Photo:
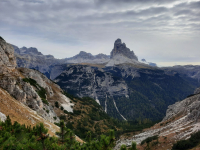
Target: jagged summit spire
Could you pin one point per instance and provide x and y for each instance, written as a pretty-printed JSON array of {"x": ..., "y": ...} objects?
[{"x": 120, "y": 48}]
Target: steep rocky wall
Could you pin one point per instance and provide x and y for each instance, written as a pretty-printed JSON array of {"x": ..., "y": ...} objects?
[
  {"x": 7, "y": 55},
  {"x": 182, "y": 119},
  {"x": 120, "y": 48},
  {"x": 13, "y": 81}
]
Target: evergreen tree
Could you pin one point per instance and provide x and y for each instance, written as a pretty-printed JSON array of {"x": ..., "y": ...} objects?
[{"x": 41, "y": 132}]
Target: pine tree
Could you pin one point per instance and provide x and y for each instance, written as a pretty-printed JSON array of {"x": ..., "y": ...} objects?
[{"x": 41, "y": 132}]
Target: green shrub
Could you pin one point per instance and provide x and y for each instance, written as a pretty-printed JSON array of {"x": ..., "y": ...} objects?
[
  {"x": 66, "y": 112},
  {"x": 149, "y": 139},
  {"x": 56, "y": 104},
  {"x": 40, "y": 90},
  {"x": 193, "y": 141},
  {"x": 45, "y": 101},
  {"x": 63, "y": 117}
]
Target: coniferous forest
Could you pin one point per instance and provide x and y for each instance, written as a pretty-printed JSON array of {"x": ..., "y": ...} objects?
[{"x": 14, "y": 136}]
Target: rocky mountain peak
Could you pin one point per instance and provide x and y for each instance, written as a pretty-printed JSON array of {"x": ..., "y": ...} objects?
[
  {"x": 120, "y": 48},
  {"x": 31, "y": 50},
  {"x": 83, "y": 55},
  {"x": 102, "y": 56}
]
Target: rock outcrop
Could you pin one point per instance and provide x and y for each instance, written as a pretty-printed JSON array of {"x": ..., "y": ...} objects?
[
  {"x": 7, "y": 58},
  {"x": 181, "y": 120},
  {"x": 120, "y": 48},
  {"x": 197, "y": 91},
  {"x": 28, "y": 86},
  {"x": 121, "y": 55}
]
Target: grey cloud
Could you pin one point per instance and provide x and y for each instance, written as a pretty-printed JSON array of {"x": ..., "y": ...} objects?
[
  {"x": 135, "y": 1},
  {"x": 84, "y": 20}
]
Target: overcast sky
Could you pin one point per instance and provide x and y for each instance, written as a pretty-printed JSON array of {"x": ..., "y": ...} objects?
[{"x": 166, "y": 32}]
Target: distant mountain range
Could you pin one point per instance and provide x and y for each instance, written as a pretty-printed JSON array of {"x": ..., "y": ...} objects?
[{"x": 32, "y": 58}]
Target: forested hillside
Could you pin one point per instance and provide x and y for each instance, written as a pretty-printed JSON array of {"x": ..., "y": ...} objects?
[{"x": 126, "y": 92}]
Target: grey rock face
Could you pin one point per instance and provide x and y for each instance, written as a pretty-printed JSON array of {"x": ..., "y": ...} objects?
[
  {"x": 182, "y": 119},
  {"x": 90, "y": 81},
  {"x": 99, "y": 83},
  {"x": 120, "y": 48},
  {"x": 7, "y": 55},
  {"x": 12, "y": 82},
  {"x": 197, "y": 91},
  {"x": 190, "y": 108}
]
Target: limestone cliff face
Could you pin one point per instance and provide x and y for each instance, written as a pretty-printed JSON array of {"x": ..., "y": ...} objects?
[
  {"x": 121, "y": 55},
  {"x": 120, "y": 48},
  {"x": 182, "y": 119},
  {"x": 197, "y": 91},
  {"x": 12, "y": 80},
  {"x": 7, "y": 55}
]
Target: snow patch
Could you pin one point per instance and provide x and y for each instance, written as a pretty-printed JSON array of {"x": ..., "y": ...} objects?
[
  {"x": 118, "y": 110},
  {"x": 97, "y": 101},
  {"x": 106, "y": 104},
  {"x": 67, "y": 106}
]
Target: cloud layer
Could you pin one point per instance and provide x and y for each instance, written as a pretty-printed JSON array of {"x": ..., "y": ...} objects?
[{"x": 159, "y": 30}]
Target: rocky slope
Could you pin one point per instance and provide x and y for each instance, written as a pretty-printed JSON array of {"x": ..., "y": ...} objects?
[
  {"x": 22, "y": 113},
  {"x": 29, "y": 88},
  {"x": 181, "y": 120},
  {"x": 126, "y": 92}
]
